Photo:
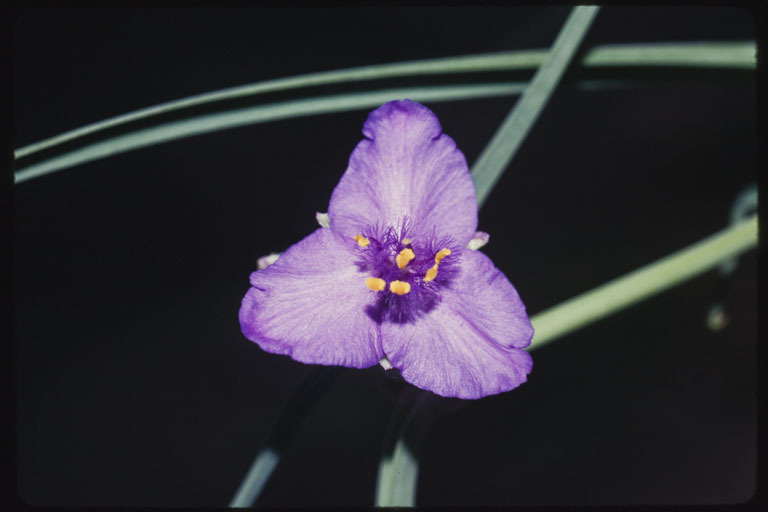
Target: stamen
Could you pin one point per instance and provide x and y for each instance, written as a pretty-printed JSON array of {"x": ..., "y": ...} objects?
[
  {"x": 407, "y": 241},
  {"x": 405, "y": 256},
  {"x": 375, "y": 284},
  {"x": 431, "y": 274},
  {"x": 399, "y": 287},
  {"x": 442, "y": 254},
  {"x": 361, "y": 240}
]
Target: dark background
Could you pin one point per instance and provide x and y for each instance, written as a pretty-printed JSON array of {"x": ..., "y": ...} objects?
[{"x": 135, "y": 386}]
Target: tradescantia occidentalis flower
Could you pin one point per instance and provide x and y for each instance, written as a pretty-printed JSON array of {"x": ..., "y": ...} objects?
[{"x": 393, "y": 278}]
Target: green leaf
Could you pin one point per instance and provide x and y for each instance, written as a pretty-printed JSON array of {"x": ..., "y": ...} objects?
[
  {"x": 704, "y": 54},
  {"x": 644, "y": 282},
  {"x": 259, "y": 114},
  {"x": 514, "y": 129}
]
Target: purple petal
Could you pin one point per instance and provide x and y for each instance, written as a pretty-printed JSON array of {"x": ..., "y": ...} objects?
[
  {"x": 405, "y": 168},
  {"x": 310, "y": 304},
  {"x": 470, "y": 345}
]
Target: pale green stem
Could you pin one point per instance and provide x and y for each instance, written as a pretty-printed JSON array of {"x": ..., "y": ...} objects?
[
  {"x": 527, "y": 59},
  {"x": 704, "y": 54},
  {"x": 292, "y": 416},
  {"x": 739, "y": 55},
  {"x": 745, "y": 203},
  {"x": 514, "y": 129},
  {"x": 399, "y": 469},
  {"x": 258, "y": 114},
  {"x": 261, "y": 469},
  {"x": 644, "y": 282},
  {"x": 397, "y": 478}
]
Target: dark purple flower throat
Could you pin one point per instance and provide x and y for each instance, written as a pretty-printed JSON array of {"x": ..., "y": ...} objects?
[{"x": 406, "y": 272}]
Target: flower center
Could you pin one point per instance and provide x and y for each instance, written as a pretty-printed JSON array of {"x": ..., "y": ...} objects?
[{"x": 405, "y": 274}]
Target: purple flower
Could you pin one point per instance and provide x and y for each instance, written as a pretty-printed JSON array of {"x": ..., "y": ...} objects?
[{"x": 392, "y": 279}]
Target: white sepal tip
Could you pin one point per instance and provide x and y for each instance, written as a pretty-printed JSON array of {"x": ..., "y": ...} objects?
[
  {"x": 267, "y": 260},
  {"x": 323, "y": 219},
  {"x": 480, "y": 239}
]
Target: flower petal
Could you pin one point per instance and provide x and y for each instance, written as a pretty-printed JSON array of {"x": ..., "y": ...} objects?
[
  {"x": 310, "y": 304},
  {"x": 471, "y": 344},
  {"x": 405, "y": 168}
]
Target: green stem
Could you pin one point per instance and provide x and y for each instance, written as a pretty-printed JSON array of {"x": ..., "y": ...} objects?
[
  {"x": 262, "y": 468},
  {"x": 739, "y": 54},
  {"x": 527, "y": 59},
  {"x": 704, "y": 54},
  {"x": 399, "y": 466},
  {"x": 510, "y": 135},
  {"x": 731, "y": 54},
  {"x": 644, "y": 282},
  {"x": 289, "y": 420},
  {"x": 258, "y": 114}
]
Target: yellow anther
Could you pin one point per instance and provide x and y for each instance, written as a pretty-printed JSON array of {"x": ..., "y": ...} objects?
[
  {"x": 431, "y": 274},
  {"x": 399, "y": 287},
  {"x": 407, "y": 241},
  {"x": 362, "y": 241},
  {"x": 405, "y": 256},
  {"x": 442, "y": 254},
  {"x": 375, "y": 284}
]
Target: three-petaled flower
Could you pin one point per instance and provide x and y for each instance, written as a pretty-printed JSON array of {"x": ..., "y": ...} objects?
[{"x": 392, "y": 278}]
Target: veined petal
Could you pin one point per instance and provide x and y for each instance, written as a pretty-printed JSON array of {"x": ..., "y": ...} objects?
[
  {"x": 405, "y": 168},
  {"x": 310, "y": 304},
  {"x": 471, "y": 344}
]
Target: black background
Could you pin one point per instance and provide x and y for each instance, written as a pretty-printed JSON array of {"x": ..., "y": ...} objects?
[{"x": 135, "y": 386}]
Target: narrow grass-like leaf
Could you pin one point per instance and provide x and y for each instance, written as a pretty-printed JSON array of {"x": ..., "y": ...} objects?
[
  {"x": 744, "y": 205},
  {"x": 258, "y": 114},
  {"x": 513, "y": 130},
  {"x": 399, "y": 467},
  {"x": 702, "y": 54},
  {"x": 262, "y": 468},
  {"x": 644, "y": 282},
  {"x": 290, "y": 419},
  {"x": 526, "y": 59},
  {"x": 731, "y": 54},
  {"x": 398, "y": 474}
]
